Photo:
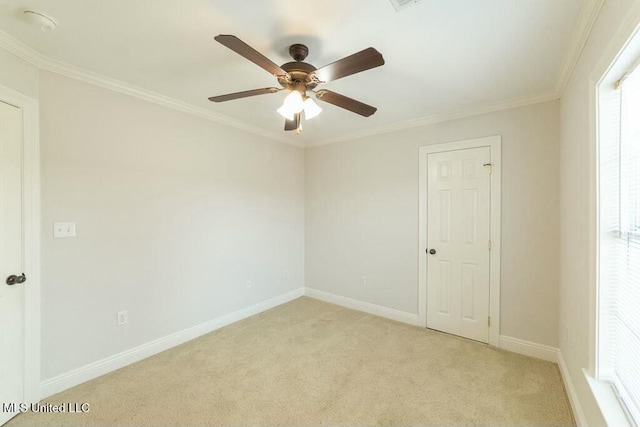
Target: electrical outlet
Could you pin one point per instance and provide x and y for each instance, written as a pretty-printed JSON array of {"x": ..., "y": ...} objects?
[
  {"x": 123, "y": 317},
  {"x": 64, "y": 229},
  {"x": 363, "y": 280},
  {"x": 248, "y": 283}
]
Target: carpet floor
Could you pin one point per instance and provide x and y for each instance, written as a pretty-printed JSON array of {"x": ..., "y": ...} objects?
[{"x": 312, "y": 363}]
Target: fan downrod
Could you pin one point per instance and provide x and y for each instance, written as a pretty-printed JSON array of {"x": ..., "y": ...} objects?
[{"x": 298, "y": 52}]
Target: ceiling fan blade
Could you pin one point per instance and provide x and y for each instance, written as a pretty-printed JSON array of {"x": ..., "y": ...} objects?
[
  {"x": 361, "y": 61},
  {"x": 292, "y": 124},
  {"x": 345, "y": 102},
  {"x": 243, "y": 49},
  {"x": 246, "y": 93}
]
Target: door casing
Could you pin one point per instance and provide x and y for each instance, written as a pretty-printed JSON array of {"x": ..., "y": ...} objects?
[
  {"x": 31, "y": 221},
  {"x": 494, "y": 143}
]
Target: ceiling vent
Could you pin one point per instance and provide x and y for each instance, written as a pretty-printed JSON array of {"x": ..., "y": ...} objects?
[{"x": 402, "y": 4}]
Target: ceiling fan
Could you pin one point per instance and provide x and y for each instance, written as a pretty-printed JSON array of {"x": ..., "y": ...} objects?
[{"x": 299, "y": 77}]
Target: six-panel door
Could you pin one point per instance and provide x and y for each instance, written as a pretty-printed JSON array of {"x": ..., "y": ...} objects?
[{"x": 458, "y": 215}]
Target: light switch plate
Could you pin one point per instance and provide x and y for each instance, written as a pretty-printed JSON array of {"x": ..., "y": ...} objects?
[
  {"x": 123, "y": 317},
  {"x": 64, "y": 229}
]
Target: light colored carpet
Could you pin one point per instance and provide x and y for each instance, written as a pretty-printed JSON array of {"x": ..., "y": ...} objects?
[{"x": 313, "y": 363}]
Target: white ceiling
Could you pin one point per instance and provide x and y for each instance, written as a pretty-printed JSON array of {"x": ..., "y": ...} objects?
[{"x": 442, "y": 56}]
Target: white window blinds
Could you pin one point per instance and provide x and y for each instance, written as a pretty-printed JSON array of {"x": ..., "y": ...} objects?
[{"x": 620, "y": 244}]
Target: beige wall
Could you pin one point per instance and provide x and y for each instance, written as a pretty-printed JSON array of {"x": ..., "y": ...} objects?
[
  {"x": 362, "y": 216},
  {"x": 576, "y": 178},
  {"x": 18, "y": 75},
  {"x": 174, "y": 214}
]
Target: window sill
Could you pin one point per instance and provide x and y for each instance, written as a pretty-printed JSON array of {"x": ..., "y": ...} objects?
[{"x": 608, "y": 402}]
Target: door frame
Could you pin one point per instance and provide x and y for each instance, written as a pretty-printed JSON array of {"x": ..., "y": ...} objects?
[
  {"x": 31, "y": 223},
  {"x": 495, "y": 145}
]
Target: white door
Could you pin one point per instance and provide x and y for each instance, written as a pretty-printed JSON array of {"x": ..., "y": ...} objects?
[
  {"x": 458, "y": 215},
  {"x": 11, "y": 262}
]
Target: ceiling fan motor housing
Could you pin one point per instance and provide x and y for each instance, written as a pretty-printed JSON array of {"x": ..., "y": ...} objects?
[{"x": 298, "y": 76}]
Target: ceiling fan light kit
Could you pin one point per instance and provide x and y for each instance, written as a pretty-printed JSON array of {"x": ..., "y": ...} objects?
[
  {"x": 299, "y": 77},
  {"x": 294, "y": 104},
  {"x": 311, "y": 109},
  {"x": 286, "y": 113}
]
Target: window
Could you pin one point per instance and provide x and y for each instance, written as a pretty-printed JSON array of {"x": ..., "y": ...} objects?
[
  {"x": 630, "y": 155},
  {"x": 619, "y": 243}
]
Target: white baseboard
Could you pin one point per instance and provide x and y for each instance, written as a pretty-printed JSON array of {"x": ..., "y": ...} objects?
[
  {"x": 578, "y": 413},
  {"x": 528, "y": 348},
  {"x": 378, "y": 310},
  {"x": 93, "y": 370}
]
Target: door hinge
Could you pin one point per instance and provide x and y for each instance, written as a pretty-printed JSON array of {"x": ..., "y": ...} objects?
[
  {"x": 490, "y": 169},
  {"x": 489, "y": 245},
  {"x": 489, "y": 321}
]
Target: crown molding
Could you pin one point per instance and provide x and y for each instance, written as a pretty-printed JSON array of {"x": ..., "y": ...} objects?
[
  {"x": 16, "y": 47},
  {"x": 580, "y": 34},
  {"x": 586, "y": 19},
  {"x": 445, "y": 117},
  {"x": 13, "y": 45}
]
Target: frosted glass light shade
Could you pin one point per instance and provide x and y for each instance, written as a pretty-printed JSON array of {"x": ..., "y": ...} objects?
[
  {"x": 311, "y": 109},
  {"x": 284, "y": 112},
  {"x": 294, "y": 102},
  {"x": 292, "y": 105}
]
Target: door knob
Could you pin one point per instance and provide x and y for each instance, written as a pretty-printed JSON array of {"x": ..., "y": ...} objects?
[
  {"x": 13, "y": 279},
  {"x": 432, "y": 251}
]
